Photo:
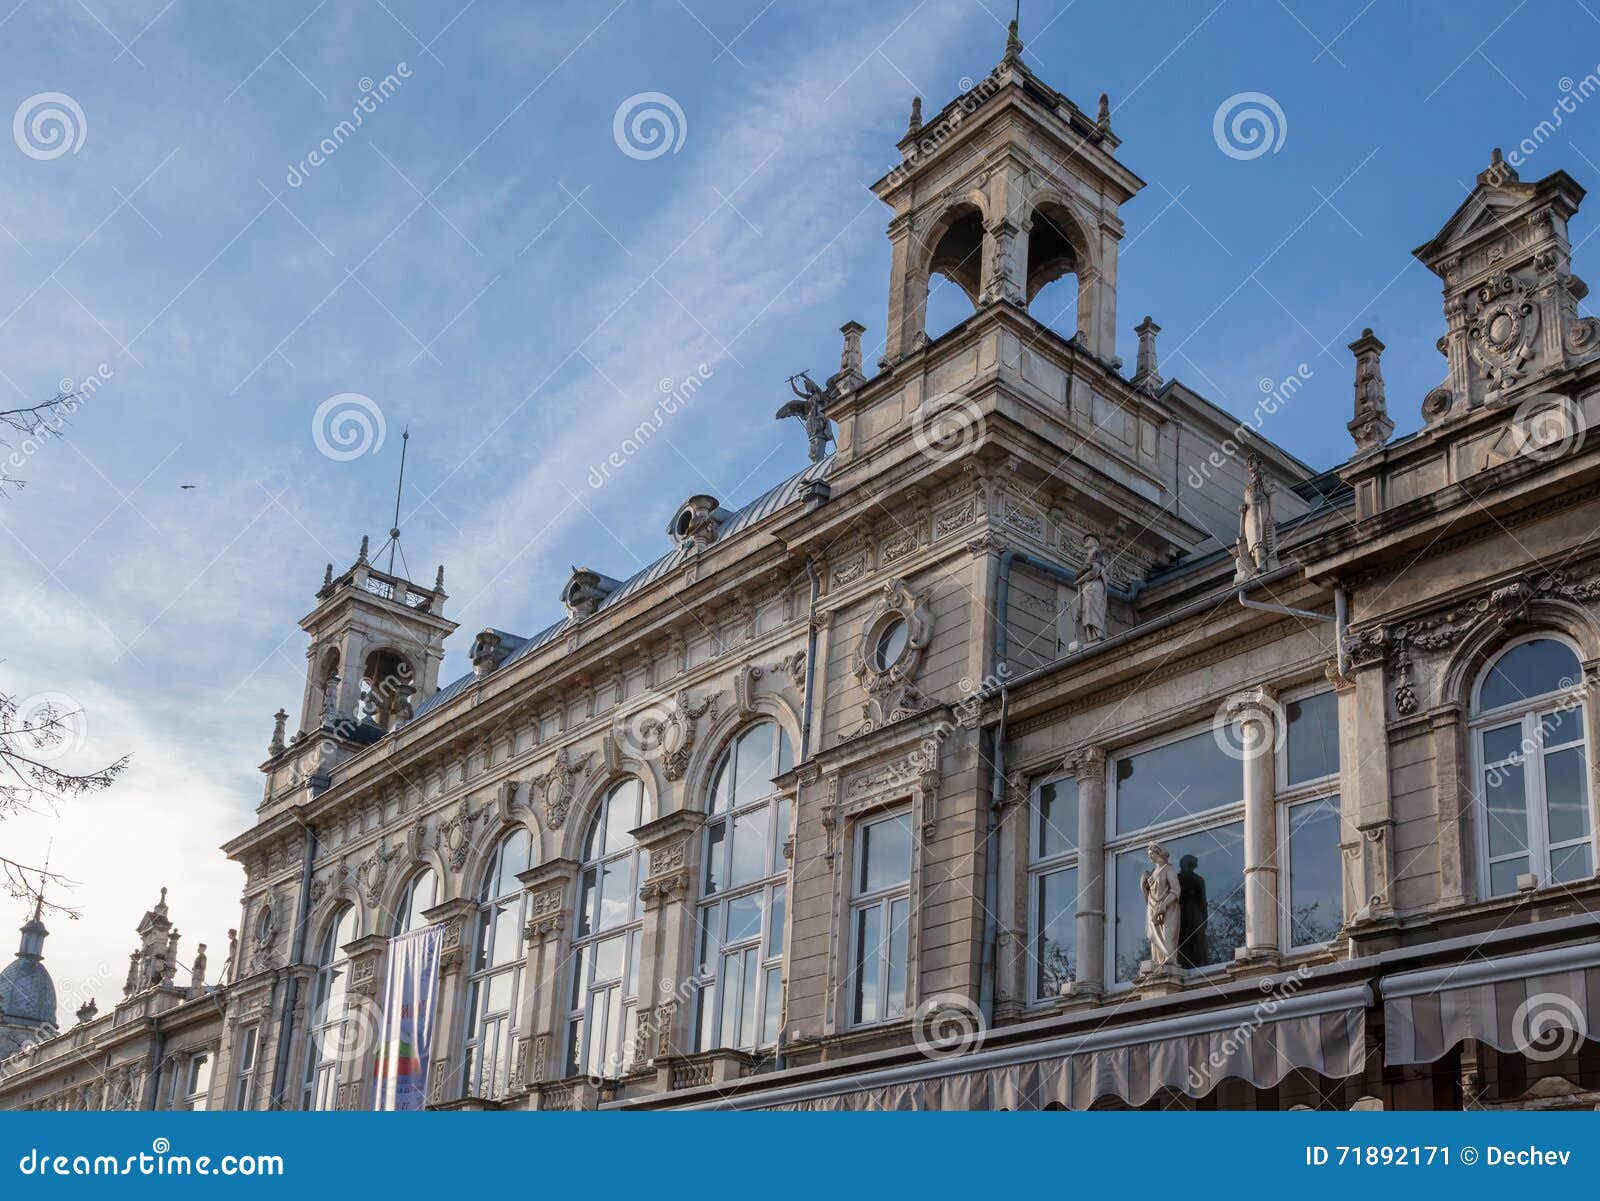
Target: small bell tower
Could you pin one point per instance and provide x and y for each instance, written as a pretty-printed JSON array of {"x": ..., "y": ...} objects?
[
  {"x": 376, "y": 643},
  {"x": 1007, "y": 188}
]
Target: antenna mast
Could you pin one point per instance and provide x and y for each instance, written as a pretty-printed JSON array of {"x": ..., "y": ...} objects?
[{"x": 399, "y": 488}]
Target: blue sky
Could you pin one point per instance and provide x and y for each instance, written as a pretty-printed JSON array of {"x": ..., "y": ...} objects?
[{"x": 484, "y": 262}]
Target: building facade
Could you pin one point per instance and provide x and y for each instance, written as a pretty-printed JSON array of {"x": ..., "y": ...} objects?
[{"x": 1056, "y": 741}]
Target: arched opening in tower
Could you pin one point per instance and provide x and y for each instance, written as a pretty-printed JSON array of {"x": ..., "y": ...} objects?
[
  {"x": 957, "y": 260},
  {"x": 1055, "y": 264}
]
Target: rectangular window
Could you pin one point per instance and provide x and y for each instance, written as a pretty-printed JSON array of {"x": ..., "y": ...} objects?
[
  {"x": 1179, "y": 780},
  {"x": 1052, "y": 886},
  {"x": 880, "y": 916},
  {"x": 1316, "y": 892},
  {"x": 196, "y": 1082},
  {"x": 244, "y": 1076},
  {"x": 1310, "y": 885}
]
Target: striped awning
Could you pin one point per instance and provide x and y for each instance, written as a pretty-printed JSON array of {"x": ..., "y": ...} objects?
[
  {"x": 1323, "y": 1032},
  {"x": 1536, "y": 1003}
]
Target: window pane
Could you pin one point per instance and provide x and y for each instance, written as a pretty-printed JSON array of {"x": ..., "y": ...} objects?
[
  {"x": 891, "y": 645},
  {"x": 899, "y": 933},
  {"x": 1503, "y": 875},
  {"x": 586, "y": 904},
  {"x": 1503, "y": 744},
  {"x": 1570, "y": 864},
  {"x": 780, "y": 811},
  {"x": 1507, "y": 811},
  {"x": 722, "y": 789},
  {"x": 608, "y": 958},
  {"x": 1056, "y": 824},
  {"x": 885, "y": 854},
  {"x": 1561, "y": 726},
  {"x": 1565, "y": 795},
  {"x": 772, "y": 1006},
  {"x": 1532, "y": 669},
  {"x": 744, "y": 917},
  {"x": 1176, "y": 780},
  {"x": 514, "y": 855},
  {"x": 755, "y": 766},
  {"x": 775, "y": 923},
  {"x": 506, "y": 938},
  {"x": 785, "y": 752},
  {"x": 869, "y": 937},
  {"x": 1056, "y": 940},
  {"x": 1210, "y": 905},
  {"x": 616, "y": 892},
  {"x": 731, "y": 975},
  {"x": 747, "y": 1008},
  {"x": 501, "y": 993},
  {"x": 714, "y": 856},
  {"x": 622, "y": 816},
  {"x": 710, "y": 943},
  {"x": 1316, "y": 893},
  {"x": 752, "y": 837},
  {"x": 1313, "y": 737}
]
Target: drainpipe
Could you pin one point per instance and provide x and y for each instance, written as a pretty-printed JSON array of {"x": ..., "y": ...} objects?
[{"x": 292, "y": 994}]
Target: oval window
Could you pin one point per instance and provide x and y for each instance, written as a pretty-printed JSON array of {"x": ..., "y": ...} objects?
[{"x": 891, "y": 645}]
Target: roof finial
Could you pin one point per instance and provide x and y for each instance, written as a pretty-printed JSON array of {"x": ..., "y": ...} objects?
[
  {"x": 1013, "y": 41},
  {"x": 438, "y": 580},
  {"x": 914, "y": 125},
  {"x": 362, "y": 557},
  {"x": 1103, "y": 118}
]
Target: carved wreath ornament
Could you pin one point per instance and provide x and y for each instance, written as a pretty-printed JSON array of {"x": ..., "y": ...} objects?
[
  {"x": 891, "y": 689},
  {"x": 1502, "y": 329}
]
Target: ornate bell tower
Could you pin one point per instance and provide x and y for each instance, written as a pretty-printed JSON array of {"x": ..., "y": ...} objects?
[
  {"x": 376, "y": 643},
  {"x": 1007, "y": 188}
]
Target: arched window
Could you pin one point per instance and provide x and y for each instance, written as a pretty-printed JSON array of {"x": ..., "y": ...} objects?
[
  {"x": 421, "y": 894},
  {"x": 739, "y": 960},
  {"x": 327, "y": 1042},
  {"x": 497, "y": 966},
  {"x": 955, "y": 271},
  {"x": 1532, "y": 758},
  {"x": 605, "y": 951}
]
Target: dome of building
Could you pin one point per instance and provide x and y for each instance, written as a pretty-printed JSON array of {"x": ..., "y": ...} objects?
[{"x": 27, "y": 993}]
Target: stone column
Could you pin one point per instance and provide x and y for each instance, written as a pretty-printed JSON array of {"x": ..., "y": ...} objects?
[
  {"x": 1364, "y": 783},
  {"x": 1089, "y": 978},
  {"x": 1001, "y": 271},
  {"x": 1254, "y": 714},
  {"x": 547, "y": 986},
  {"x": 444, "y": 1074},
  {"x": 664, "y": 1010},
  {"x": 368, "y": 967},
  {"x": 908, "y": 291}
]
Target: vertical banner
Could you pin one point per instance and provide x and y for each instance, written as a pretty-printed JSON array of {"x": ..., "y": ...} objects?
[{"x": 410, "y": 1002}]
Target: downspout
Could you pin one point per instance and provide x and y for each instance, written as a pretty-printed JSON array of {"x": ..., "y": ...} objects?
[
  {"x": 291, "y": 995},
  {"x": 152, "y": 1088},
  {"x": 997, "y": 759}
]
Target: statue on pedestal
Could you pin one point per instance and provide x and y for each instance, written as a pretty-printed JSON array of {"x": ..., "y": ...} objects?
[
  {"x": 1092, "y": 592},
  {"x": 1161, "y": 918}
]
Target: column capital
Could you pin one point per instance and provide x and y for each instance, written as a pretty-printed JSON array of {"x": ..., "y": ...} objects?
[
  {"x": 1086, "y": 762},
  {"x": 456, "y": 917}
]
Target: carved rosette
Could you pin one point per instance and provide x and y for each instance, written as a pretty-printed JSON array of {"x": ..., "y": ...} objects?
[
  {"x": 891, "y": 687},
  {"x": 670, "y": 736},
  {"x": 455, "y": 835}
]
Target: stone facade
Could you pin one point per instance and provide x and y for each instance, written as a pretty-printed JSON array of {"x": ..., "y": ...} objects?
[{"x": 1020, "y": 576}]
